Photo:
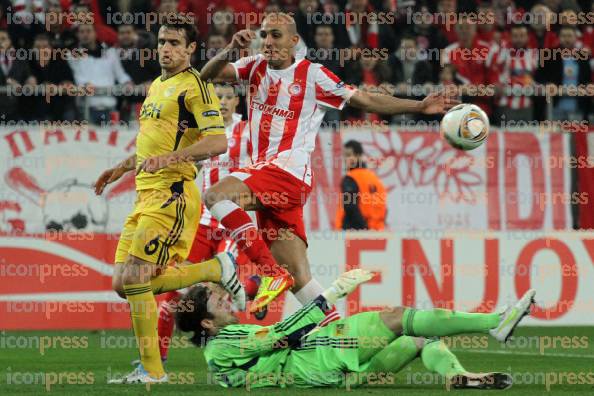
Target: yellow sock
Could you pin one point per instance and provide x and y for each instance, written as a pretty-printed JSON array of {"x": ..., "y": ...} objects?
[
  {"x": 143, "y": 311},
  {"x": 175, "y": 278}
]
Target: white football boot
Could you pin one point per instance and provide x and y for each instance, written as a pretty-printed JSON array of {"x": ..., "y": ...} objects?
[
  {"x": 139, "y": 376},
  {"x": 230, "y": 281},
  {"x": 512, "y": 316}
]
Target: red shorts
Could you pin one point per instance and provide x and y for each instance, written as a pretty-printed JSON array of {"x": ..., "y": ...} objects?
[
  {"x": 282, "y": 195},
  {"x": 209, "y": 241}
]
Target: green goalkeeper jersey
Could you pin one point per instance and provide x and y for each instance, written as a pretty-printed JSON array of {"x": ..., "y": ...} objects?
[{"x": 241, "y": 354}]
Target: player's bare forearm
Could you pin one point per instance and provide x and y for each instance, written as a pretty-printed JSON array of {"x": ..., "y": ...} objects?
[
  {"x": 113, "y": 174},
  {"x": 435, "y": 103},
  {"x": 207, "y": 147},
  {"x": 128, "y": 164},
  {"x": 218, "y": 68},
  {"x": 384, "y": 104},
  {"x": 215, "y": 65}
]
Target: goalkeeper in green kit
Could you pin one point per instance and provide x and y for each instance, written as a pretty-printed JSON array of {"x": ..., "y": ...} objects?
[{"x": 364, "y": 349}]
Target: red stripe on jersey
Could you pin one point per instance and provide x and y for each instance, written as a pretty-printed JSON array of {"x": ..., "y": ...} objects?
[
  {"x": 266, "y": 120},
  {"x": 373, "y": 40},
  {"x": 235, "y": 151},
  {"x": 295, "y": 106},
  {"x": 244, "y": 72},
  {"x": 255, "y": 82},
  {"x": 214, "y": 171},
  {"x": 328, "y": 97},
  {"x": 249, "y": 148},
  {"x": 522, "y": 100},
  {"x": 330, "y": 75},
  {"x": 253, "y": 90}
]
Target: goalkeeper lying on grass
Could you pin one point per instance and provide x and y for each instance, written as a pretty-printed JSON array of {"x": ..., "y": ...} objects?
[{"x": 366, "y": 348}]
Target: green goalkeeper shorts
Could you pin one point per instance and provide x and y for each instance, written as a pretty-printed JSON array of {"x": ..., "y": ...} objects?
[{"x": 337, "y": 355}]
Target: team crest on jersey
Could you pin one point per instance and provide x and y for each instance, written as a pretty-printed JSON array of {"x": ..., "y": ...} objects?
[
  {"x": 169, "y": 91},
  {"x": 295, "y": 89},
  {"x": 231, "y": 142}
]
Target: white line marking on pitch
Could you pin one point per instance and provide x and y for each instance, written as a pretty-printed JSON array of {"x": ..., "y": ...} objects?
[{"x": 567, "y": 355}]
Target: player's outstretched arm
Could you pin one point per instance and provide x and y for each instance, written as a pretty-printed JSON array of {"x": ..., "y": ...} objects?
[
  {"x": 218, "y": 68},
  {"x": 208, "y": 146},
  {"x": 111, "y": 175},
  {"x": 435, "y": 103}
]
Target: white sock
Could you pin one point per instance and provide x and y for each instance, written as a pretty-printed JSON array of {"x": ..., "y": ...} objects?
[
  {"x": 309, "y": 292},
  {"x": 223, "y": 208}
]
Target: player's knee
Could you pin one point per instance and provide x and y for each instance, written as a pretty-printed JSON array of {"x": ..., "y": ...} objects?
[
  {"x": 118, "y": 287},
  {"x": 210, "y": 197},
  {"x": 419, "y": 342},
  {"x": 130, "y": 278},
  {"x": 137, "y": 271},
  {"x": 392, "y": 317}
]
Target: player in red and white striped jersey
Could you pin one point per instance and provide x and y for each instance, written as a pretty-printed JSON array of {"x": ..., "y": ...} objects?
[
  {"x": 210, "y": 238},
  {"x": 238, "y": 155},
  {"x": 287, "y": 99},
  {"x": 515, "y": 65},
  {"x": 469, "y": 57}
]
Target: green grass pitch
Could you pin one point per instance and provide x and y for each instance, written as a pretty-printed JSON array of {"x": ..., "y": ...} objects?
[{"x": 556, "y": 360}]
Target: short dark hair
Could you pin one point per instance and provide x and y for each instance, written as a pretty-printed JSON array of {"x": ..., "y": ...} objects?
[
  {"x": 354, "y": 145},
  {"x": 570, "y": 27},
  {"x": 323, "y": 25},
  {"x": 408, "y": 36},
  {"x": 518, "y": 26},
  {"x": 42, "y": 36},
  {"x": 184, "y": 23},
  {"x": 194, "y": 310},
  {"x": 227, "y": 85},
  {"x": 123, "y": 25}
]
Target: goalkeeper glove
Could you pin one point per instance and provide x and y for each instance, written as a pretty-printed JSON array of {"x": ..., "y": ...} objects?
[{"x": 345, "y": 284}]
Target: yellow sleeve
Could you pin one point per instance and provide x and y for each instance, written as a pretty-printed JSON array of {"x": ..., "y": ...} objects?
[{"x": 204, "y": 104}]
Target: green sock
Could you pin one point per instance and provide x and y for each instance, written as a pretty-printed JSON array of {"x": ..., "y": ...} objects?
[
  {"x": 443, "y": 322},
  {"x": 438, "y": 358}
]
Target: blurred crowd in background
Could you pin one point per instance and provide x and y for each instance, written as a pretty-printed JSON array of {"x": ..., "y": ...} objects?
[{"x": 396, "y": 46}]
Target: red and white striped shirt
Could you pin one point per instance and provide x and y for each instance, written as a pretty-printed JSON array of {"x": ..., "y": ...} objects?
[
  {"x": 516, "y": 68},
  {"x": 216, "y": 168},
  {"x": 286, "y": 108}
]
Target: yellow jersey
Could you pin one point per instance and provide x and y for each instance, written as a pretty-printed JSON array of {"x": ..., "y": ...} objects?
[{"x": 176, "y": 113}]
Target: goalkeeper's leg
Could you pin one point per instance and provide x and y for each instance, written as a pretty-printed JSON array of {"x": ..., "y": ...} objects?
[
  {"x": 394, "y": 357},
  {"x": 437, "y": 322},
  {"x": 382, "y": 353},
  {"x": 436, "y": 357},
  {"x": 445, "y": 322},
  {"x": 382, "y": 350}
]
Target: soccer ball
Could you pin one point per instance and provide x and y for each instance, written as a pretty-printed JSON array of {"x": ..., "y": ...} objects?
[{"x": 465, "y": 126}]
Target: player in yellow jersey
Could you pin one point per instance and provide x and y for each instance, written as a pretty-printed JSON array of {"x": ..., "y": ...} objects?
[{"x": 180, "y": 123}]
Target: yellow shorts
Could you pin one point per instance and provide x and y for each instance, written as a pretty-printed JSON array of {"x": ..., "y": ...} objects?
[{"x": 162, "y": 225}]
